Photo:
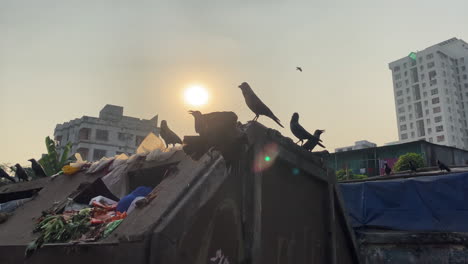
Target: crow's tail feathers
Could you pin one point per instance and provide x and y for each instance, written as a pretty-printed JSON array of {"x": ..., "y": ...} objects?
[{"x": 276, "y": 120}]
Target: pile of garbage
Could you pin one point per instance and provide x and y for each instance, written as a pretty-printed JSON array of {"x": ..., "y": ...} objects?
[{"x": 77, "y": 223}]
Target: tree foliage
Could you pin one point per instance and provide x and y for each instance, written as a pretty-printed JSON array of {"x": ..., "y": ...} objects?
[
  {"x": 348, "y": 174},
  {"x": 403, "y": 162},
  {"x": 53, "y": 162}
]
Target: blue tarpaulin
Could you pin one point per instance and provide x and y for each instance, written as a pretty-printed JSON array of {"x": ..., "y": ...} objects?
[{"x": 428, "y": 203}]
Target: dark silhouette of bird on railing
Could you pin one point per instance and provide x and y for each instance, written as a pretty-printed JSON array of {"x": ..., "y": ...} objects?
[
  {"x": 298, "y": 130},
  {"x": 37, "y": 168},
  {"x": 387, "y": 169},
  {"x": 168, "y": 135},
  {"x": 21, "y": 173},
  {"x": 5, "y": 175},
  {"x": 311, "y": 143},
  {"x": 442, "y": 166},
  {"x": 214, "y": 122},
  {"x": 256, "y": 105}
]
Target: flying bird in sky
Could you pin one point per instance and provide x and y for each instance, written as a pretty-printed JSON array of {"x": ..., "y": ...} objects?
[
  {"x": 21, "y": 173},
  {"x": 442, "y": 166},
  {"x": 298, "y": 130},
  {"x": 168, "y": 135},
  {"x": 256, "y": 105},
  {"x": 299, "y": 69},
  {"x": 37, "y": 168}
]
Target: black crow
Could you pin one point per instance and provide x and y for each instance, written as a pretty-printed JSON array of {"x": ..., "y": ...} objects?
[
  {"x": 216, "y": 121},
  {"x": 311, "y": 143},
  {"x": 5, "y": 175},
  {"x": 412, "y": 166},
  {"x": 388, "y": 170},
  {"x": 256, "y": 105},
  {"x": 37, "y": 168},
  {"x": 168, "y": 135},
  {"x": 21, "y": 173},
  {"x": 299, "y": 69},
  {"x": 298, "y": 130},
  {"x": 442, "y": 166}
]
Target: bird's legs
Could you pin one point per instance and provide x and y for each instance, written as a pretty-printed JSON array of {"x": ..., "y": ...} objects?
[
  {"x": 255, "y": 118},
  {"x": 300, "y": 140}
]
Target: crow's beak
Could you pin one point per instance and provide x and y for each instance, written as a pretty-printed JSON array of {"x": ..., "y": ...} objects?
[
  {"x": 240, "y": 86},
  {"x": 190, "y": 112}
]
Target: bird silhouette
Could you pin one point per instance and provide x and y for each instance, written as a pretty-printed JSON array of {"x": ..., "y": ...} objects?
[
  {"x": 442, "y": 166},
  {"x": 412, "y": 166},
  {"x": 311, "y": 143},
  {"x": 388, "y": 170},
  {"x": 298, "y": 130},
  {"x": 168, "y": 135},
  {"x": 215, "y": 121},
  {"x": 37, "y": 168},
  {"x": 299, "y": 69},
  {"x": 256, "y": 105},
  {"x": 21, "y": 173},
  {"x": 5, "y": 175}
]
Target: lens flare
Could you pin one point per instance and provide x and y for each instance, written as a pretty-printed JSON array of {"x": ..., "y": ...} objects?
[{"x": 266, "y": 158}]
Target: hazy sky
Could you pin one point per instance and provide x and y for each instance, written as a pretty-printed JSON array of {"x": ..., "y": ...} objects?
[{"x": 60, "y": 60}]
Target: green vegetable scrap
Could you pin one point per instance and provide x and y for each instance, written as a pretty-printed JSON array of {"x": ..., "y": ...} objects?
[{"x": 111, "y": 227}]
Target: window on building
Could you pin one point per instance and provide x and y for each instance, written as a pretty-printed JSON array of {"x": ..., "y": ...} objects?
[
  {"x": 404, "y": 136},
  {"x": 432, "y": 82},
  {"x": 412, "y": 134},
  {"x": 428, "y": 121},
  {"x": 98, "y": 154},
  {"x": 429, "y": 56},
  {"x": 138, "y": 140},
  {"x": 398, "y": 84},
  {"x": 411, "y": 125},
  {"x": 405, "y": 73},
  {"x": 398, "y": 76},
  {"x": 122, "y": 136},
  {"x": 420, "y": 128},
  {"x": 396, "y": 68},
  {"x": 402, "y": 118},
  {"x": 440, "y": 138},
  {"x": 465, "y": 77},
  {"x": 406, "y": 82},
  {"x": 84, "y": 152},
  {"x": 102, "y": 135},
  {"x": 438, "y": 119},
  {"x": 410, "y": 107},
  {"x": 436, "y": 110},
  {"x": 439, "y": 128},
  {"x": 410, "y": 116},
  {"x": 431, "y": 140},
  {"x": 429, "y": 131},
  {"x": 399, "y": 93},
  {"x": 466, "y": 85},
  {"x": 451, "y": 128},
  {"x": 434, "y": 91},
  {"x": 463, "y": 68},
  {"x": 84, "y": 133},
  {"x": 435, "y": 100},
  {"x": 403, "y": 127},
  {"x": 424, "y": 94},
  {"x": 407, "y": 90},
  {"x": 400, "y": 101},
  {"x": 426, "y": 103},
  {"x": 421, "y": 67},
  {"x": 430, "y": 65},
  {"x": 423, "y": 85},
  {"x": 427, "y": 111}
]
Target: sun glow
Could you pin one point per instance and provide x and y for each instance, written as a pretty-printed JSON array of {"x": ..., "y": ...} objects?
[{"x": 196, "y": 95}]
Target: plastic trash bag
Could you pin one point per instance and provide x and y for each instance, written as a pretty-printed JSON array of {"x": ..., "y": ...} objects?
[{"x": 150, "y": 143}]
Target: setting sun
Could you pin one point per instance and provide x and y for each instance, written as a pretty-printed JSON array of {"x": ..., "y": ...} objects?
[{"x": 196, "y": 95}]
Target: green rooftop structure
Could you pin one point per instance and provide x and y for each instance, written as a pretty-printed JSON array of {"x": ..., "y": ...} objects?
[{"x": 412, "y": 55}]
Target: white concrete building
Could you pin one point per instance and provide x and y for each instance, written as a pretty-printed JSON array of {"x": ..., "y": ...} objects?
[
  {"x": 109, "y": 134},
  {"x": 362, "y": 144},
  {"x": 431, "y": 94}
]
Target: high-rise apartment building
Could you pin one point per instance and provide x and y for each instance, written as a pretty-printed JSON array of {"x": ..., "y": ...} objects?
[{"x": 431, "y": 94}]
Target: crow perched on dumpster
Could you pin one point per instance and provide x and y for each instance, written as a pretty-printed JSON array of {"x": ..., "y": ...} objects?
[
  {"x": 442, "y": 166},
  {"x": 37, "y": 168},
  {"x": 412, "y": 166},
  {"x": 256, "y": 105},
  {"x": 216, "y": 122},
  {"x": 298, "y": 130},
  {"x": 21, "y": 173},
  {"x": 388, "y": 170},
  {"x": 168, "y": 135},
  {"x": 312, "y": 142},
  {"x": 5, "y": 175}
]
